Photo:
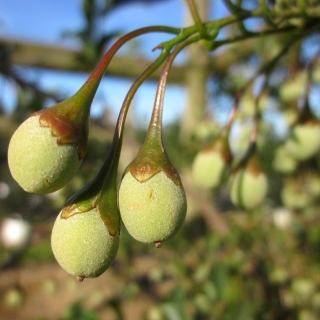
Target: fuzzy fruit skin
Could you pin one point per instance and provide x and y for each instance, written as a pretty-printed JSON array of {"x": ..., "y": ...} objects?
[
  {"x": 37, "y": 162},
  {"x": 246, "y": 189},
  {"x": 82, "y": 244},
  {"x": 209, "y": 169},
  {"x": 304, "y": 141},
  {"x": 153, "y": 210}
]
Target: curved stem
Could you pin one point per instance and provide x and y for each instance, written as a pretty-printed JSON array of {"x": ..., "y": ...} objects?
[
  {"x": 152, "y": 158},
  {"x": 91, "y": 85},
  {"x": 155, "y": 127},
  {"x": 105, "y": 180},
  {"x": 111, "y": 162},
  {"x": 126, "y": 103},
  {"x": 234, "y": 109},
  {"x": 257, "y": 115}
]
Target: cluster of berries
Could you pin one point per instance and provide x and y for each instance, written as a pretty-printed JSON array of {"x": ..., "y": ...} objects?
[{"x": 46, "y": 152}]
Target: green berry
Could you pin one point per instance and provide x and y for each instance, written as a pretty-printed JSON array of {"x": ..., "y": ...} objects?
[
  {"x": 248, "y": 186},
  {"x": 293, "y": 89},
  {"x": 313, "y": 184},
  {"x": 37, "y": 162},
  {"x": 283, "y": 162},
  {"x": 13, "y": 298},
  {"x": 209, "y": 169},
  {"x": 295, "y": 196},
  {"x": 82, "y": 244},
  {"x": 154, "y": 210},
  {"x": 304, "y": 141}
]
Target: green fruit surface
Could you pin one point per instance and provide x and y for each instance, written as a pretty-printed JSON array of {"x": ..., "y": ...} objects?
[
  {"x": 209, "y": 169},
  {"x": 295, "y": 197},
  {"x": 283, "y": 162},
  {"x": 293, "y": 89},
  {"x": 153, "y": 210},
  {"x": 82, "y": 244},
  {"x": 247, "y": 190},
  {"x": 37, "y": 162},
  {"x": 304, "y": 142}
]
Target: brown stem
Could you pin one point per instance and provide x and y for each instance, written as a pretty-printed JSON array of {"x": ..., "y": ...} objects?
[
  {"x": 234, "y": 109},
  {"x": 90, "y": 86},
  {"x": 155, "y": 127},
  {"x": 257, "y": 114}
]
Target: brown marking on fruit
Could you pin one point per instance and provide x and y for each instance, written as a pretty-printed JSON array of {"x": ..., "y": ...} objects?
[
  {"x": 220, "y": 146},
  {"x": 135, "y": 205},
  {"x": 151, "y": 194},
  {"x": 80, "y": 278}
]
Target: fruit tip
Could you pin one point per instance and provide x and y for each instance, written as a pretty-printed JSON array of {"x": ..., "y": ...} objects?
[{"x": 158, "y": 244}]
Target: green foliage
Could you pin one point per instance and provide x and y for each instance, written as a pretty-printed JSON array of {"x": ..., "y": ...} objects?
[
  {"x": 77, "y": 311},
  {"x": 38, "y": 252},
  {"x": 245, "y": 274}
]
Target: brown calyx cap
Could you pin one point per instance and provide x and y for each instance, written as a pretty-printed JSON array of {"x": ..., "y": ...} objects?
[
  {"x": 151, "y": 159},
  {"x": 67, "y": 123},
  {"x": 253, "y": 165},
  {"x": 221, "y": 145}
]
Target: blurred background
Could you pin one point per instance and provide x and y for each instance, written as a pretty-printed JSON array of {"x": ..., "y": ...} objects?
[{"x": 225, "y": 263}]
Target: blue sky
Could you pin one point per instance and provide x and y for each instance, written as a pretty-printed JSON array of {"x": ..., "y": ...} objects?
[{"x": 45, "y": 21}]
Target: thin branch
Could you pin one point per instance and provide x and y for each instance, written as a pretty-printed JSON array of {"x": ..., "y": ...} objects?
[{"x": 197, "y": 19}]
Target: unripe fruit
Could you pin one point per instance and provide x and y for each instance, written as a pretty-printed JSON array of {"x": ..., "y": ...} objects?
[
  {"x": 212, "y": 164},
  {"x": 248, "y": 186},
  {"x": 13, "y": 298},
  {"x": 293, "y": 89},
  {"x": 82, "y": 244},
  {"x": 37, "y": 162},
  {"x": 209, "y": 169},
  {"x": 283, "y": 162},
  {"x": 313, "y": 184},
  {"x": 152, "y": 201},
  {"x": 248, "y": 105},
  {"x": 301, "y": 190},
  {"x": 303, "y": 289},
  {"x": 294, "y": 196},
  {"x": 304, "y": 141},
  {"x": 153, "y": 210}
]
